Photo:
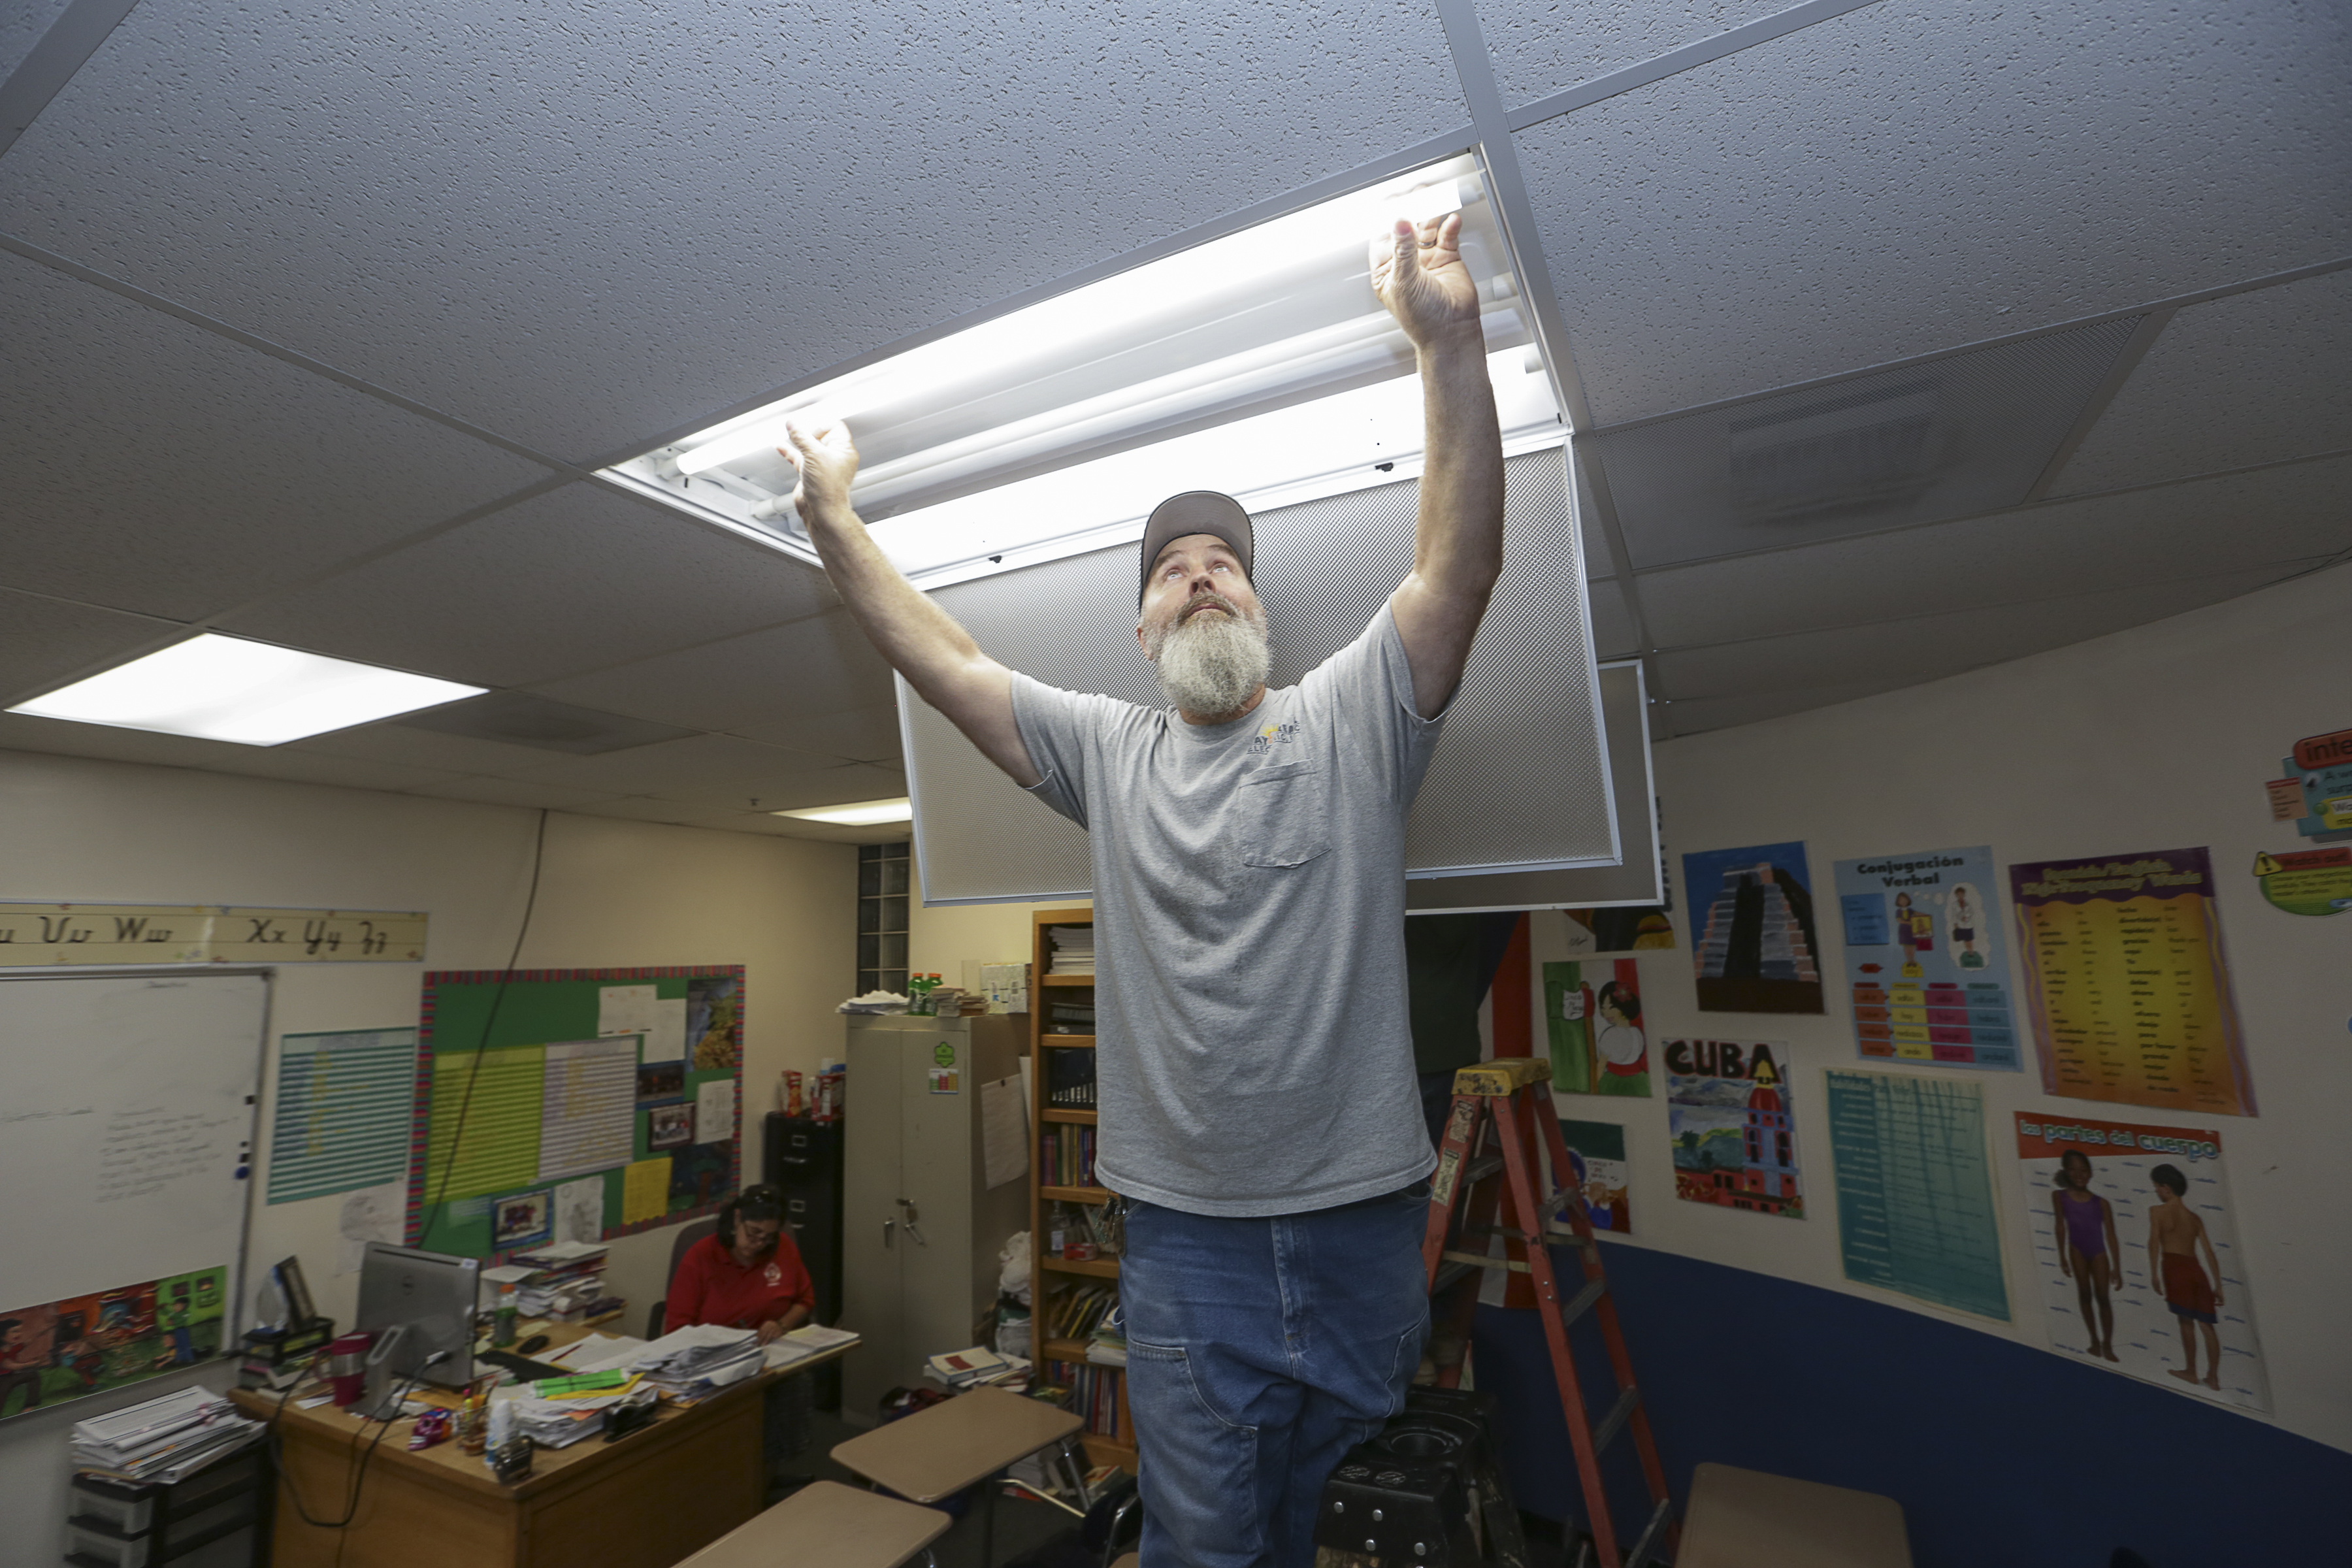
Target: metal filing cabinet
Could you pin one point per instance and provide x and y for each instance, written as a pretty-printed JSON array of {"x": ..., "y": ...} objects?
[{"x": 920, "y": 1231}]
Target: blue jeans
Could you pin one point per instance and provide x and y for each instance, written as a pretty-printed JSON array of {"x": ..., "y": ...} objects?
[{"x": 1258, "y": 1352}]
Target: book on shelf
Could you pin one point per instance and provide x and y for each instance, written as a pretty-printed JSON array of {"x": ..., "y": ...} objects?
[{"x": 1070, "y": 1079}]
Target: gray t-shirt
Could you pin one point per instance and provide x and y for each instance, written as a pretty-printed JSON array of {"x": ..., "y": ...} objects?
[{"x": 1254, "y": 1053}]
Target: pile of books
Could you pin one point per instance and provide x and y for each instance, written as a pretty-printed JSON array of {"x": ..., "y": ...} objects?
[
  {"x": 977, "y": 1367},
  {"x": 1074, "y": 1311},
  {"x": 1074, "y": 950},
  {"x": 1069, "y": 1018},
  {"x": 1070, "y": 1077},
  {"x": 161, "y": 1440},
  {"x": 1107, "y": 1345},
  {"x": 696, "y": 1362},
  {"x": 1066, "y": 1156},
  {"x": 563, "y": 1283}
]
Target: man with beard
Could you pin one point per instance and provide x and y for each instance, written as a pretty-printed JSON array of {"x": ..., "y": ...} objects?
[{"x": 1259, "y": 1116}]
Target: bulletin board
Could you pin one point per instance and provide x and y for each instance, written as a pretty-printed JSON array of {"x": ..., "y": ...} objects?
[{"x": 572, "y": 1104}]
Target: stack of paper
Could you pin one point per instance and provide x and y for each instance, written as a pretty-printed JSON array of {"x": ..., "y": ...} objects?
[
  {"x": 806, "y": 1341},
  {"x": 161, "y": 1440},
  {"x": 565, "y": 1281},
  {"x": 559, "y": 1423},
  {"x": 694, "y": 1363},
  {"x": 975, "y": 1367},
  {"x": 875, "y": 1001},
  {"x": 1074, "y": 950}
]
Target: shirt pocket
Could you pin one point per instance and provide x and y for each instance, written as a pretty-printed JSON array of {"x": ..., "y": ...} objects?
[{"x": 1286, "y": 814}]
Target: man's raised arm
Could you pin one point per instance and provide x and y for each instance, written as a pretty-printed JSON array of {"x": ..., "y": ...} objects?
[
  {"x": 1457, "y": 551},
  {"x": 921, "y": 641}
]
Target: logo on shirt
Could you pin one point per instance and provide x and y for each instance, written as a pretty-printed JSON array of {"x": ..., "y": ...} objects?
[
  {"x": 775, "y": 1276},
  {"x": 1269, "y": 736}
]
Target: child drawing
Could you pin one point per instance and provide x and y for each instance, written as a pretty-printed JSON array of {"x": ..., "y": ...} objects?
[
  {"x": 2087, "y": 1248},
  {"x": 2174, "y": 1234},
  {"x": 1965, "y": 913}
]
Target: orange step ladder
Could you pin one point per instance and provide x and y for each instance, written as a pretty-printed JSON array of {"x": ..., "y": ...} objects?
[{"x": 1487, "y": 1163}]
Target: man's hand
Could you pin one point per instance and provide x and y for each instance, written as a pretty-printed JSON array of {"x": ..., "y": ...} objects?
[
  {"x": 827, "y": 462},
  {"x": 1418, "y": 274}
]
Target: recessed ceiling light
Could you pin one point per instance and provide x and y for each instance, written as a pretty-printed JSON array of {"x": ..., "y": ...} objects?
[
  {"x": 1261, "y": 364},
  {"x": 858, "y": 813},
  {"x": 226, "y": 688}
]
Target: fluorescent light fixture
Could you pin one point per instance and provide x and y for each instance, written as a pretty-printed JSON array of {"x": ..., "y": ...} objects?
[
  {"x": 226, "y": 688},
  {"x": 858, "y": 814},
  {"x": 1260, "y": 363}
]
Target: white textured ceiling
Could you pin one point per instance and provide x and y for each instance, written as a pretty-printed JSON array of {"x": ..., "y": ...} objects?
[{"x": 310, "y": 320}]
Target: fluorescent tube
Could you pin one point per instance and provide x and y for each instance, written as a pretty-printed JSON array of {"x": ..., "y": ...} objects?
[
  {"x": 225, "y": 688},
  {"x": 1274, "y": 318},
  {"x": 861, "y": 813}
]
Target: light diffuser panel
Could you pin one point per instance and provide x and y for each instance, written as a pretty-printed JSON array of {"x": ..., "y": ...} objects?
[{"x": 254, "y": 694}]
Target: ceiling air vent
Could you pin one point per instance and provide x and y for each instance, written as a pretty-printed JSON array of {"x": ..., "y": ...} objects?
[
  {"x": 1865, "y": 449},
  {"x": 1923, "y": 442}
]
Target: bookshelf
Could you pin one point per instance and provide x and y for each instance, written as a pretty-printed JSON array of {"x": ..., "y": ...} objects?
[{"x": 1053, "y": 1123}]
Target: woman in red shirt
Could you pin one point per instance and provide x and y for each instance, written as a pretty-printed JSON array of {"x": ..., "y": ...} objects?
[{"x": 749, "y": 1275}]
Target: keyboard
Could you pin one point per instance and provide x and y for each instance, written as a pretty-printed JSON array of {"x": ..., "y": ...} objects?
[{"x": 522, "y": 1366}]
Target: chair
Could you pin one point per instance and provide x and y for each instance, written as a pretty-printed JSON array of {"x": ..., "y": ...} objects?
[
  {"x": 687, "y": 1235},
  {"x": 940, "y": 1451},
  {"x": 1746, "y": 1519}
]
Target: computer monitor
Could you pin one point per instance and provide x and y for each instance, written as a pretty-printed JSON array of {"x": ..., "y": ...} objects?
[{"x": 431, "y": 1296}]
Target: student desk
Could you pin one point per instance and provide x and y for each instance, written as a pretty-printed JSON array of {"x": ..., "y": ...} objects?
[{"x": 647, "y": 1501}]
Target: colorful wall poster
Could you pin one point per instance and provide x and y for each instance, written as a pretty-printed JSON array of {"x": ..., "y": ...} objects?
[
  {"x": 2307, "y": 881},
  {"x": 1607, "y": 932},
  {"x": 1755, "y": 948},
  {"x": 1927, "y": 961},
  {"x": 341, "y": 1119},
  {"x": 2136, "y": 1245},
  {"x": 1597, "y": 1168},
  {"x": 2126, "y": 983},
  {"x": 2316, "y": 794},
  {"x": 1914, "y": 1194},
  {"x": 55, "y": 1351},
  {"x": 1731, "y": 1119},
  {"x": 1592, "y": 1014}
]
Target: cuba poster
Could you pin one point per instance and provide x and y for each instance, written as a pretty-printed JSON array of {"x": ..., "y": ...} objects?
[
  {"x": 1733, "y": 1125},
  {"x": 2136, "y": 1241}
]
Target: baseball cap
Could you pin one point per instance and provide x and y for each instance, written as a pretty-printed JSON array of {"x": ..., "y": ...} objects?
[{"x": 1196, "y": 511}]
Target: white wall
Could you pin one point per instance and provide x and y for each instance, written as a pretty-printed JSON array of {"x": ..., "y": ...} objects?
[
  {"x": 612, "y": 894},
  {"x": 2157, "y": 738}
]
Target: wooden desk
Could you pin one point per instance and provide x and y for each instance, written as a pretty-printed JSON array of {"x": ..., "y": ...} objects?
[{"x": 648, "y": 1501}]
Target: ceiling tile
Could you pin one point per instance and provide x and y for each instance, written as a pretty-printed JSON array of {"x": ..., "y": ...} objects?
[
  {"x": 1612, "y": 625},
  {"x": 514, "y": 792},
  {"x": 2276, "y": 517},
  {"x": 1929, "y": 648},
  {"x": 765, "y": 682},
  {"x": 44, "y": 641},
  {"x": 158, "y": 467},
  {"x": 1541, "y": 47},
  {"x": 393, "y": 742},
  {"x": 308, "y": 767},
  {"x": 577, "y": 579},
  {"x": 677, "y": 766},
  {"x": 1696, "y": 715},
  {"x": 869, "y": 734},
  {"x": 840, "y": 785},
  {"x": 2249, "y": 379},
  {"x": 59, "y": 737},
  {"x": 21, "y": 26},
  {"x": 1911, "y": 177},
  {"x": 636, "y": 215}
]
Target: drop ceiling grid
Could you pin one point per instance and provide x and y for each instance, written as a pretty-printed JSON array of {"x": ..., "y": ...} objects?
[
  {"x": 1922, "y": 648},
  {"x": 642, "y": 221},
  {"x": 2270, "y": 518},
  {"x": 1540, "y": 47},
  {"x": 167, "y": 471},
  {"x": 575, "y": 580},
  {"x": 815, "y": 667},
  {"x": 2252, "y": 378},
  {"x": 1907, "y": 177}
]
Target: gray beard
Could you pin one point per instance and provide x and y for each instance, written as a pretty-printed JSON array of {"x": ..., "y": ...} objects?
[{"x": 1212, "y": 667}]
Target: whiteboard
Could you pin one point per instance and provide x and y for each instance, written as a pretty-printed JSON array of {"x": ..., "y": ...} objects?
[{"x": 126, "y": 1128}]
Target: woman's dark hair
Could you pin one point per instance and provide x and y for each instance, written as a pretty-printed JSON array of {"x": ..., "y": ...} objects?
[
  {"x": 2170, "y": 1177},
  {"x": 1623, "y": 998},
  {"x": 762, "y": 1202}
]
